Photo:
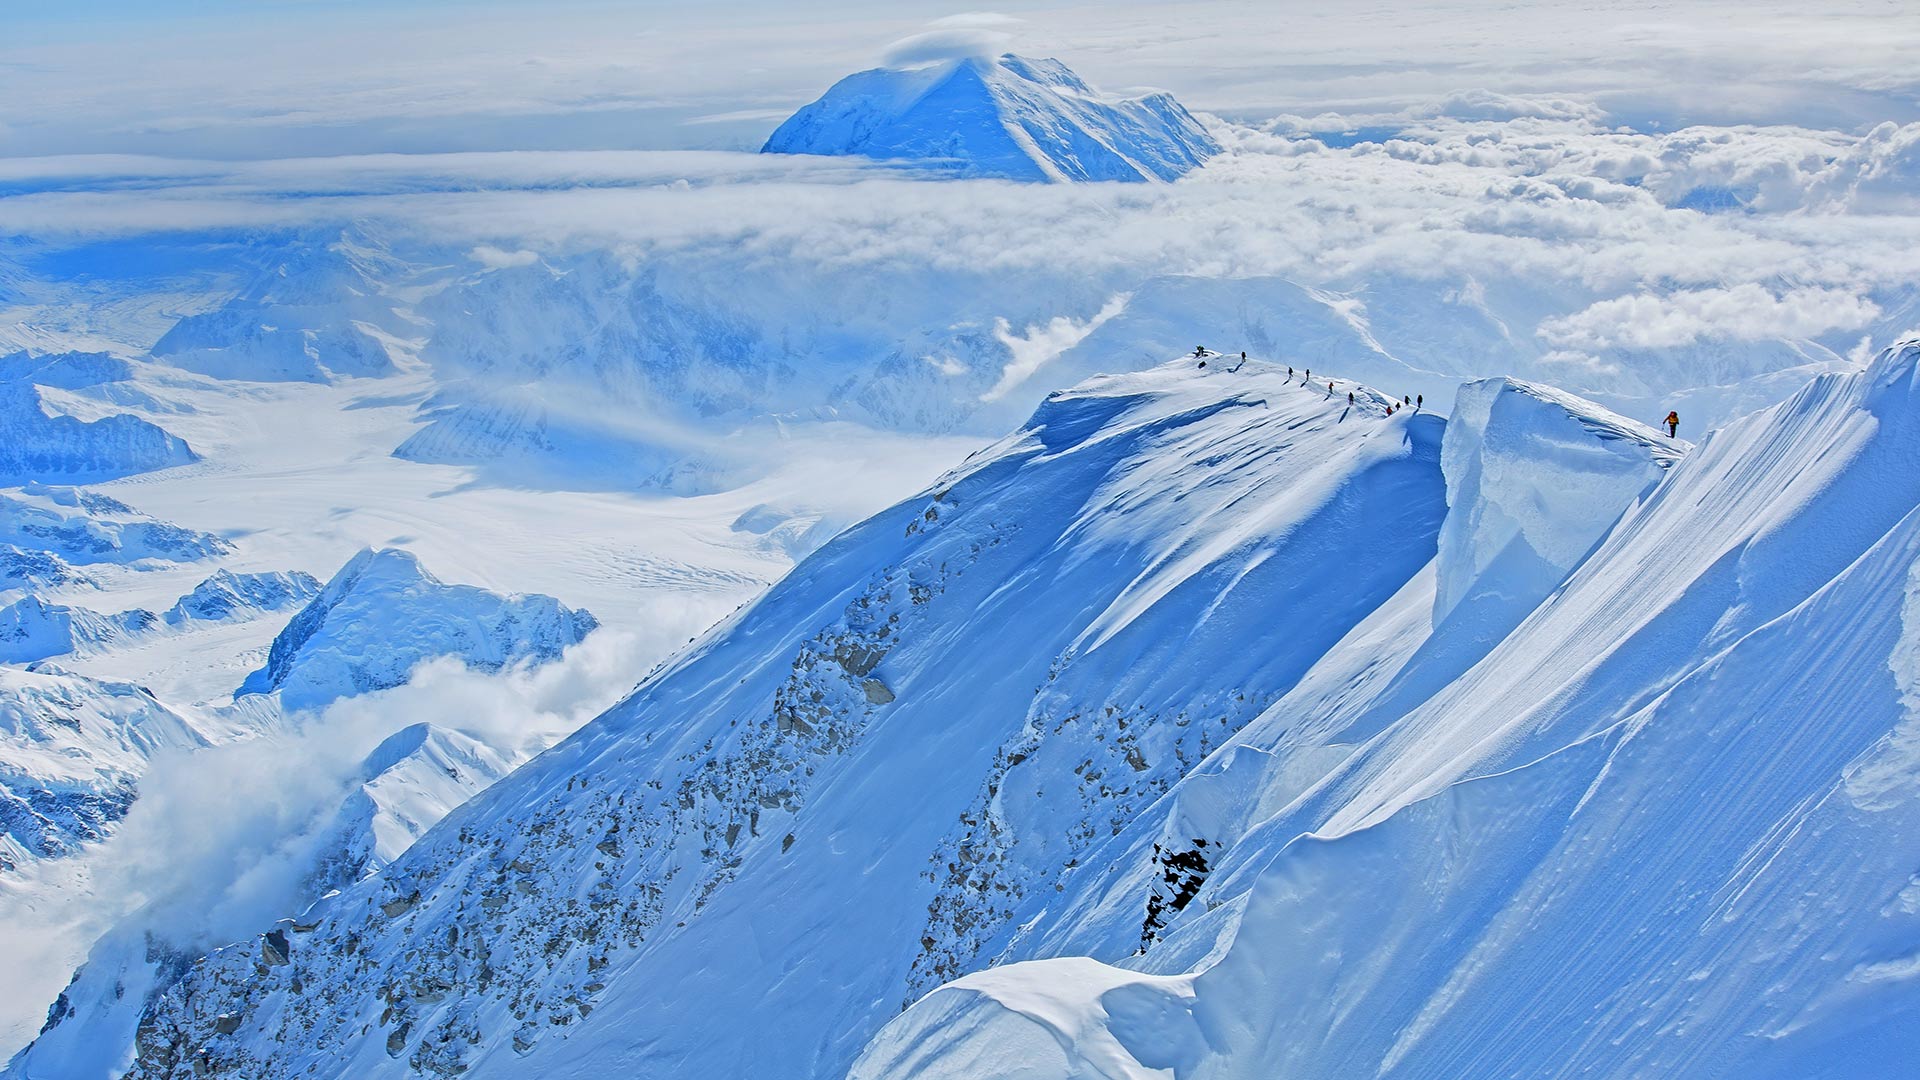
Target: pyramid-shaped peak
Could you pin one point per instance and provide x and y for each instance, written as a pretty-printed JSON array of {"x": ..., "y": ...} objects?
[{"x": 1009, "y": 117}]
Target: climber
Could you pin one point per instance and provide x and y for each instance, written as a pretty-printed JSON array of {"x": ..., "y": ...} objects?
[
  {"x": 1199, "y": 350},
  {"x": 1405, "y": 400},
  {"x": 1289, "y": 371},
  {"x": 1419, "y": 402},
  {"x": 1673, "y": 424},
  {"x": 1349, "y": 399}
]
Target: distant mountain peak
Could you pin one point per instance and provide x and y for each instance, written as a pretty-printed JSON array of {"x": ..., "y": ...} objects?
[{"x": 1010, "y": 117}]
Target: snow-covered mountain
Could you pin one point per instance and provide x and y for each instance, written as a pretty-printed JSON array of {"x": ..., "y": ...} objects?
[
  {"x": 411, "y": 780},
  {"x": 322, "y": 313},
  {"x": 1008, "y": 117},
  {"x": 67, "y": 527},
  {"x": 71, "y": 752},
  {"x": 42, "y": 441},
  {"x": 1157, "y": 687},
  {"x": 226, "y": 596},
  {"x": 33, "y": 629},
  {"x": 1666, "y": 827},
  {"x": 841, "y": 731},
  {"x": 383, "y": 613}
]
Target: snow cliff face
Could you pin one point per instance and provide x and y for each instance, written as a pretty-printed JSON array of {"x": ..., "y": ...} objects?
[
  {"x": 939, "y": 714},
  {"x": 1010, "y": 117},
  {"x": 1665, "y": 828},
  {"x": 1535, "y": 477},
  {"x": 383, "y": 613}
]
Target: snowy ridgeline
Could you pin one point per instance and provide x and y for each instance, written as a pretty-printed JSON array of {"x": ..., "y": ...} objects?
[
  {"x": 383, "y": 614},
  {"x": 1153, "y": 688},
  {"x": 33, "y": 629},
  {"x": 48, "y": 434},
  {"x": 1206, "y": 602},
  {"x": 51, "y": 535},
  {"x": 1008, "y": 117}
]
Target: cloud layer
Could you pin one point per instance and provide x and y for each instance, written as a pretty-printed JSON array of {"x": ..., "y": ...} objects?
[{"x": 278, "y": 80}]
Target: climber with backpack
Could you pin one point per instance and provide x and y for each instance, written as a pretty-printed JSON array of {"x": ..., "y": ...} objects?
[{"x": 1673, "y": 424}]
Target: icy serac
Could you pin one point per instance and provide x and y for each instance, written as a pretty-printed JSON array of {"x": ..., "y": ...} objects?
[
  {"x": 383, "y": 613},
  {"x": 1008, "y": 117},
  {"x": 865, "y": 775},
  {"x": 1667, "y": 827}
]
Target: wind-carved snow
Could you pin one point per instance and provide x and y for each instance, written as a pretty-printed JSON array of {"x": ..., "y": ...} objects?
[
  {"x": 383, "y": 613},
  {"x": 985, "y": 681},
  {"x": 1666, "y": 824},
  {"x": 1535, "y": 477},
  {"x": 1009, "y": 117},
  {"x": 41, "y": 442}
]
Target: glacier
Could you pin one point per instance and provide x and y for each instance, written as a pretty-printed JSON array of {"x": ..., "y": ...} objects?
[{"x": 1008, "y": 117}]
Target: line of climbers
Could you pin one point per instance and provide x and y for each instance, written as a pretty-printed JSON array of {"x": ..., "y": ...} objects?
[{"x": 1418, "y": 401}]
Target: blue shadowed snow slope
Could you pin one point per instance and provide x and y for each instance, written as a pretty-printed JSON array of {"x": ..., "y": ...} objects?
[
  {"x": 1057, "y": 631},
  {"x": 1668, "y": 827}
]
